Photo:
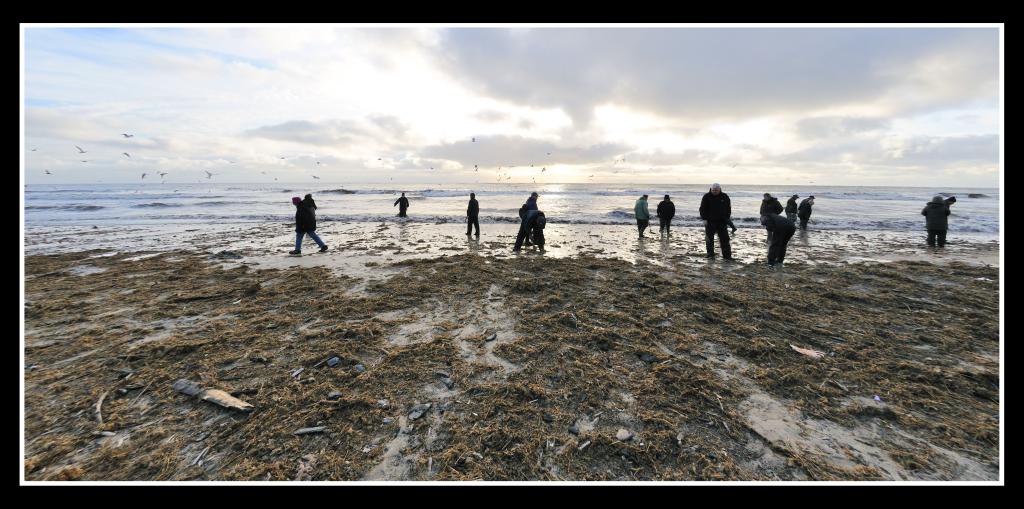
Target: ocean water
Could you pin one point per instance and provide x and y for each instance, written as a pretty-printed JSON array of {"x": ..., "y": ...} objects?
[{"x": 836, "y": 208}]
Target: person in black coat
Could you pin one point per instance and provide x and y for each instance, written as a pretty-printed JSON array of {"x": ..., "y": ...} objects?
[
  {"x": 472, "y": 212},
  {"x": 403, "y": 203},
  {"x": 791, "y": 208},
  {"x": 305, "y": 223},
  {"x": 804, "y": 211},
  {"x": 715, "y": 211},
  {"x": 936, "y": 213},
  {"x": 782, "y": 230},
  {"x": 769, "y": 205},
  {"x": 666, "y": 211}
]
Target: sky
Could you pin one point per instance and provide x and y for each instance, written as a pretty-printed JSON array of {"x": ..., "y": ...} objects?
[{"x": 871, "y": 106}]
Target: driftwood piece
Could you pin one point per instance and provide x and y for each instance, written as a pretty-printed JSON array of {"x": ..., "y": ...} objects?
[{"x": 212, "y": 395}]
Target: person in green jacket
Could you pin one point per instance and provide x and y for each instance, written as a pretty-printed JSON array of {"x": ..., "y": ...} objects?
[{"x": 643, "y": 215}]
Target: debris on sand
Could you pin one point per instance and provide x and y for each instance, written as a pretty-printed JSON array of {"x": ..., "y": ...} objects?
[
  {"x": 579, "y": 357},
  {"x": 810, "y": 353},
  {"x": 215, "y": 396}
]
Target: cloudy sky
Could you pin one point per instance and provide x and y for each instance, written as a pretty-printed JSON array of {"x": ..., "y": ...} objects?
[{"x": 753, "y": 105}]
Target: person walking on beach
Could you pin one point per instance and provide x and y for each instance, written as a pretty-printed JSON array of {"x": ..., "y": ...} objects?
[
  {"x": 781, "y": 229},
  {"x": 666, "y": 211},
  {"x": 804, "y": 211},
  {"x": 643, "y": 214},
  {"x": 527, "y": 214},
  {"x": 305, "y": 223},
  {"x": 471, "y": 215},
  {"x": 791, "y": 208},
  {"x": 935, "y": 213},
  {"x": 403, "y": 203},
  {"x": 715, "y": 211},
  {"x": 769, "y": 205}
]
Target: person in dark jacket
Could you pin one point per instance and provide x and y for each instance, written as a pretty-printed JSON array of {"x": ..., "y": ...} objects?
[
  {"x": 403, "y": 204},
  {"x": 715, "y": 211},
  {"x": 526, "y": 214},
  {"x": 471, "y": 215},
  {"x": 537, "y": 229},
  {"x": 791, "y": 208},
  {"x": 804, "y": 211},
  {"x": 666, "y": 211},
  {"x": 782, "y": 229},
  {"x": 642, "y": 214},
  {"x": 935, "y": 213},
  {"x": 769, "y": 205},
  {"x": 305, "y": 223}
]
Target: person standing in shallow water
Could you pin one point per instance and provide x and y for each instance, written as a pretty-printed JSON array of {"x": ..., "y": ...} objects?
[
  {"x": 666, "y": 211},
  {"x": 715, "y": 211},
  {"x": 791, "y": 208},
  {"x": 472, "y": 213},
  {"x": 781, "y": 229},
  {"x": 643, "y": 214},
  {"x": 403, "y": 204},
  {"x": 305, "y": 223},
  {"x": 804, "y": 211},
  {"x": 526, "y": 215},
  {"x": 936, "y": 213},
  {"x": 769, "y": 205}
]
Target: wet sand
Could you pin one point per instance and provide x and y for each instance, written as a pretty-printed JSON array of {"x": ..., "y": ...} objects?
[{"x": 531, "y": 364}]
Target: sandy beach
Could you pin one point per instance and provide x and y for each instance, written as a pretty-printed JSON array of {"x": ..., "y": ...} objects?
[{"x": 601, "y": 359}]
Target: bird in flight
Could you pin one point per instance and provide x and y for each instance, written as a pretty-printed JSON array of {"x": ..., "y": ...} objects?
[
  {"x": 314, "y": 176},
  {"x": 542, "y": 170},
  {"x": 85, "y": 160},
  {"x": 318, "y": 163},
  {"x": 80, "y": 151},
  {"x": 209, "y": 173},
  {"x": 33, "y": 150},
  {"x": 476, "y": 168},
  {"x": 474, "y": 140},
  {"x": 48, "y": 172},
  {"x": 549, "y": 153},
  {"x": 263, "y": 172},
  {"x": 378, "y": 159},
  {"x": 143, "y": 176},
  {"x": 282, "y": 157},
  {"x": 161, "y": 173},
  {"x": 126, "y": 155},
  {"x": 126, "y": 135},
  {"x": 590, "y": 177}
]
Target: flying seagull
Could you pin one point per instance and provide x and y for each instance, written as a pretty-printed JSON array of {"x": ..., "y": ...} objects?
[
  {"x": 33, "y": 150},
  {"x": 476, "y": 168},
  {"x": 282, "y": 157},
  {"x": 161, "y": 173},
  {"x": 80, "y": 151},
  {"x": 126, "y": 154},
  {"x": 263, "y": 172},
  {"x": 318, "y": 163},
  {"x": 378, "y": 159},
  {"x": 48, "y": 172},
  {"x": 126, "y": 135},
  {"x": 85, "y": 160},
  {"x": 542, "y": 170},
  {"x": 314, "y": 176},
  {"x": 474, "y": 140},
  {"x": 209, "y": 174},
  {"x": 143, "y": 176}
]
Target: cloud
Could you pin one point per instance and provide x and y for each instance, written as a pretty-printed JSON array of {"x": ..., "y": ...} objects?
[
  {"x": 509, "y": 151},
  {"x": 709, "y": 73},
  {"x": 830, "y": 127}
]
